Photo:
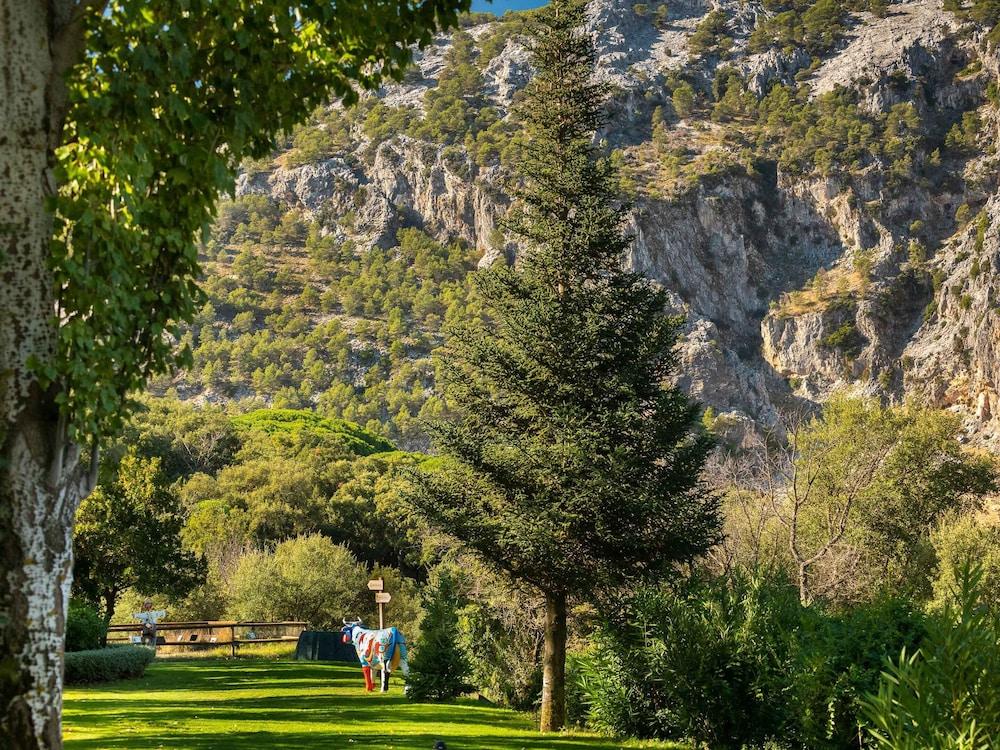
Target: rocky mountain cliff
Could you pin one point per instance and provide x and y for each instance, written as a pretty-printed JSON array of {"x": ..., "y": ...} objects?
[{"x": 814, "y": 183}]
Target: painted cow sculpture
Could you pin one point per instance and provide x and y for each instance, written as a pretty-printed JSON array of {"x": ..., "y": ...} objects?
[{"x": 384, "y": 650}]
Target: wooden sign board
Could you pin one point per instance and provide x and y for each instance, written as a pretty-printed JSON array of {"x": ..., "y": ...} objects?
[
  {"x": 376, "y": 585},
  {"x": 383, "y": 597}
]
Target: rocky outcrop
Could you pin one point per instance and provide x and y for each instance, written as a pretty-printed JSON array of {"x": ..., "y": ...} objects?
[
  {"x": 953, "y": 360},
  {"x": 885, "y": 57},
  {"x": 792, "y": 287}
]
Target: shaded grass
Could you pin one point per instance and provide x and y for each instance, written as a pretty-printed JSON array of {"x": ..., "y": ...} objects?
[{"x": 202, "y": 704}]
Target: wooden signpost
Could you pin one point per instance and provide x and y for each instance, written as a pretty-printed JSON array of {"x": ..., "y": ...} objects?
[{"x": 381, "y": 598}]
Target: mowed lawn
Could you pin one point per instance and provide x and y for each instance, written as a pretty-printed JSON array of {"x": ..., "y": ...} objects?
[{"x": 202, "y": 704}]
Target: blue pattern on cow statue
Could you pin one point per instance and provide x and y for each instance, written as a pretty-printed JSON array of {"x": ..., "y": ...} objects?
[{"x": 382, "y": 649}]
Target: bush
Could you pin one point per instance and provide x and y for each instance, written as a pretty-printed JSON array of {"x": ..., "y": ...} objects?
[
  {"x": 503, "y": 641},
  {"x": 836, "y": 662},
  {"x": 307, "y": 578},
  {"x": 845, "y": 339},
  {"x": 85, "y": 628},
  {"x": 739, "y": 662},
  {"x": 106, "y": 664},
  {"x": 945, "y": 695},
  {"x": 703, "y": 664},
  {"x": 439, "y": 669},
  {"x": 966, "y": 537}
]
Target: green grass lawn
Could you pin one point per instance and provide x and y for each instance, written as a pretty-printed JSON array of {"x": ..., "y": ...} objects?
[{"x": 202, "y": 704}]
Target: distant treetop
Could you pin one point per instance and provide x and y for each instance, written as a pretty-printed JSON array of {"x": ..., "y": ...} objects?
[{"x": 292, "y": 421}]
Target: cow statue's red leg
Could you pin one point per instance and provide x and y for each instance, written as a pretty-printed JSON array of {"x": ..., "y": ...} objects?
[{"x": 367, "y": 672}]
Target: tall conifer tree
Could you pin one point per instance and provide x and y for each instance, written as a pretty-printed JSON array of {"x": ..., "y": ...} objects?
[{"x": 572, "y": 464}]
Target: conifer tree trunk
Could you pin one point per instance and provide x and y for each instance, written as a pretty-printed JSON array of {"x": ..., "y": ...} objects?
[
  {"x": 40, "y": 482},
  {"x": 553, "y": 716}
]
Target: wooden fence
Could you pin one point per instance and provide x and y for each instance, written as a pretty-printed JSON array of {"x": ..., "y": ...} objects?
[{"x": 203, "y": 634}]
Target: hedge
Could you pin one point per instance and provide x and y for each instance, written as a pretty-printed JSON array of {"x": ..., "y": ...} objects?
[
  {"x": 106, "y": 664},
  {"x": 84, "y": 627}
]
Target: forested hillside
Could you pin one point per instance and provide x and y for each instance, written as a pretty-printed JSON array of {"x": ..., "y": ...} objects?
[{"x": 814, "y": 184}]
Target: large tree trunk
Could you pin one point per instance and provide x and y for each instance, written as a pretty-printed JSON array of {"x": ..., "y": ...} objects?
[
  {"x": 40, "y": 485},
  {"x": 110, "y": 600},
  {"x": 554, "y": 664}
]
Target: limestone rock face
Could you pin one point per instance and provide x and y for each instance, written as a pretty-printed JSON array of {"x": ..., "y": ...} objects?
[
  {"x": 792, "y": 286},
  {"x": 953, "y": 359},
  {"x": 915, "y": 41}
]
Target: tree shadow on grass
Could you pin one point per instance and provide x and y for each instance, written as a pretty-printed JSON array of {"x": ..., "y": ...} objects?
[
  {"x": 356, "y": 741},
  {"x": 95, "y": 713},
  {"x": 285, "y": 705}
]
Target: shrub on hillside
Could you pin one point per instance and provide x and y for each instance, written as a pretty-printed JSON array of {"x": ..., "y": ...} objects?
[
  {"x": 106, "y": 664},
  {"x": 85, "y": 628},
  {"x": 966, "y": 537},
  {"x": 439, "y": 669}
]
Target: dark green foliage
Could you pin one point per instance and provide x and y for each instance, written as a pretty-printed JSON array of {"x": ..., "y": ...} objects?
[
  {"x": 836, "y": 660},
  {"x": 683, "y": 99},
  {"x": 845, "y": 338},
  {"x": 710, "y": 37},
  {"x": 694, "y": 665},
  {"x": 107, "y": 664},
  {"x": 571, "y": 465},
  {"x": 946, "y": 694},
  {"x": 128, "y": 535},
  {"x": 964, "y": 135},
  {"x": 85, "y": 629},
  {"x": 739, "y": 663},
  {"x": 819, "y": 133},
  {"x": 732, "y": 100},
  {"x": 817, "y": 26},
  {"x": 439, "y": 670},
  {"x": 503, "y": 643}
]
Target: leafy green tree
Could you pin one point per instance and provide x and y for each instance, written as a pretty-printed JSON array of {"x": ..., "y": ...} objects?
[
  {"x": 130, "y": 118},
  {"x": 570, "y": 465},
  {"x": 857, "y": 491},
  {"x": 307, "y": 578},
  {"x": 186, "y": 438},
  {"x": 128, "y": 535},
  {"x": 710, "y": 36},
  {"x": 439, "y": 669},
  {"x": 683, "y": 99}
]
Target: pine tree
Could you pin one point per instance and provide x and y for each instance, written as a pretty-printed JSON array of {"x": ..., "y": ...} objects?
[
  {"x": 572, "y": 465},
  {"x": 439, "y": 669}
]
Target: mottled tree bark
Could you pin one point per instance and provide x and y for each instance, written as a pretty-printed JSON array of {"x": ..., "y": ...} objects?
[
  {"x": 40, "y": 479},
  {"x": 553, "y": 712}
]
